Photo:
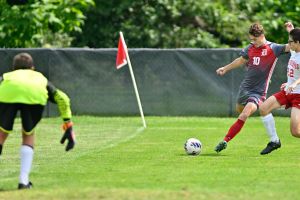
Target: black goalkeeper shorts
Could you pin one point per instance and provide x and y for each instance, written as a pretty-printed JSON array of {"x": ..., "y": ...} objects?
[{"x": 30, "y": 116}]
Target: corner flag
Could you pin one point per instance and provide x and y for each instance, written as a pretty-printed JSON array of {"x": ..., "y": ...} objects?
[
  {"x": 121, "y": 56},
  {"x": 123, "y": 59}
]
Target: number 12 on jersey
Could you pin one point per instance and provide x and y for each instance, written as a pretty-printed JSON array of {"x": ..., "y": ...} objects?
[{"x": 290, "y": 72}]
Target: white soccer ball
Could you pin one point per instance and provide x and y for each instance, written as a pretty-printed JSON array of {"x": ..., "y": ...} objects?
[{"x": 193, "y": 146}]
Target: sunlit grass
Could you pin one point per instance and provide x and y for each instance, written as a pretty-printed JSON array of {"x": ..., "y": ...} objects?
[{"x": 115, "y": 158}]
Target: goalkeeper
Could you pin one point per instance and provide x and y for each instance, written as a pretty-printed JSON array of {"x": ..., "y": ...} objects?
[{"x": 27, "y": 91}]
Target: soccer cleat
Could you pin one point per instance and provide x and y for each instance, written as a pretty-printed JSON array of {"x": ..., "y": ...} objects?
[
  {"x": 23, "y": 186},
  {"x": 221, "y": 146},
  {"x": 271, "y": 147}
]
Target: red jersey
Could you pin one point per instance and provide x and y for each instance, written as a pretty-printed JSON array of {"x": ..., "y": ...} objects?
[{"x": 260, "y": 66}]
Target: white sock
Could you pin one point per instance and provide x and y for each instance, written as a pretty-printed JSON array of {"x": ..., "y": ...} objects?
[
  {"x": 269, "y": 124},
  {"x": 26, "y": 153}
]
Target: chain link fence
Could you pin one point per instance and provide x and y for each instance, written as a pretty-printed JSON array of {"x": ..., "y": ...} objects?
[{"x": 171, "y": 82}]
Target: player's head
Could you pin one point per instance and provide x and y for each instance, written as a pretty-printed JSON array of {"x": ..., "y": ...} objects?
[
  {"x": 256, "y": 30},
  {"x": 294, "y": 39},
  {"x": 23, "y": 61},
  {"x": 257, "y": 34}
]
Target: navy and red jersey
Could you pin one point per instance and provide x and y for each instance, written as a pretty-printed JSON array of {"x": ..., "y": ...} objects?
[{"x": 260, "y": 66}]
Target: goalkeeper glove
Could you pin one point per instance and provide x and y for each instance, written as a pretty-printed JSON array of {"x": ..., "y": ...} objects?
[{"x": 68, "y": 135}]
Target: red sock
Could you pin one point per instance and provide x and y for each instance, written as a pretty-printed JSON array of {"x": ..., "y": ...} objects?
[{"x": 234, "y": 130}]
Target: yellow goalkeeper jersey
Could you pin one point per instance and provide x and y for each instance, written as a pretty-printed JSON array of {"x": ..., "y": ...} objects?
[{"x": 24, "y": 86}]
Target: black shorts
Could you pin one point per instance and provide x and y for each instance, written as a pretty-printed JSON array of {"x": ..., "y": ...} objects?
[
  {"x": 245, "y": 97},
  {"x": 30, "y": 116}
]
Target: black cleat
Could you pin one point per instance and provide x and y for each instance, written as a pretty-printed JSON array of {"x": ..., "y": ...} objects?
[
  {"x": 271, "y": 147},
  {"x": 23, "y": 186},
  {"x": 221, "y": 146}
]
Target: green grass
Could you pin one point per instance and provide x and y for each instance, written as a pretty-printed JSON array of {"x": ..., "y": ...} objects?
[{"x": 117, "y": 159}]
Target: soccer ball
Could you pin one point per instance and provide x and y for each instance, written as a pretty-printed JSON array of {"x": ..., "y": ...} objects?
[{"x": 193, "y": 146}]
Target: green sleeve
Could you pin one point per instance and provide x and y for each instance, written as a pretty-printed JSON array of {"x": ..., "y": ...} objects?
[{"x": 63, "y": 104}]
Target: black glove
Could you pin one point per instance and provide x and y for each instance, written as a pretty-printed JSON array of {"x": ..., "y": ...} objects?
[{"x": 69, "y": 135}]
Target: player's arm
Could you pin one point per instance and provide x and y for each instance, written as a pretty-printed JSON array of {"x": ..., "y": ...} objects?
[
  {"x": 288, "y": 26},
  {"x": 283, "y": 86},
  {"x": 63, "y": 103},
  {"x": 61, "y": 99},
  {"x": 234, "y": 64},
  {"x": 291, "y": 87}
]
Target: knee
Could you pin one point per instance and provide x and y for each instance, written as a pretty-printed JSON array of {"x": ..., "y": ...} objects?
[
  {"x": 263, "y": 111},
  {"x": 28, "y": 139},
  {"x": 243, "y": 116},
  {"x": 3, "y": 137},
  {"x": 295, "y": 132}
]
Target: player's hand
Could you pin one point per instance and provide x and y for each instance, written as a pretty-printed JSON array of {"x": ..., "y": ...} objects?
[
  {"x": 221, "y": 71},
  {"x": 290, "y": 88},
  {"x": 289, "y": 26},
  {"x": 68, "y": 135},
  {"x": 283, "y": 85}
]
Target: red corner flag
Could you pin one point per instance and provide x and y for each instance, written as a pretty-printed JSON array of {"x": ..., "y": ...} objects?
[
  {"x": 123, "y": 59},
  {"x": 121, "y": 56}
]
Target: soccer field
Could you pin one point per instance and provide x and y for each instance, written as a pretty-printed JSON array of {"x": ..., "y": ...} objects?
[{"x": 115, "y": 158}]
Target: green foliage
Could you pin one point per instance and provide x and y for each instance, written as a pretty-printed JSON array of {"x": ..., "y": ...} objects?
[
  {"x": 184, "y": 23},
  {"x": 41, "y": 23},
  {"x": 273, "y": 16},
  {"x": 145, "y": 23},
  {"x": 157, "y": 24}
]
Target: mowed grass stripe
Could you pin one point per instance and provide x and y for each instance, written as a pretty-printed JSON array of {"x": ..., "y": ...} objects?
[{"x": 152, "y": 164}]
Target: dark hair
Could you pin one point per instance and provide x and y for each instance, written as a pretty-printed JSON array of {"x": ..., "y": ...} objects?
[
  {"x": 295, "y": 34},
  {"x": 22, "y": 61},
  {"x": 256, "y": 30}
]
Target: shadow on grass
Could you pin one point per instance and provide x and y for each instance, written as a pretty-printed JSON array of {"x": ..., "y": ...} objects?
[
  {"x": 7, "y": 190},
  {"x": 212, "y": 154},
  {"x": 203, "y": 154}
]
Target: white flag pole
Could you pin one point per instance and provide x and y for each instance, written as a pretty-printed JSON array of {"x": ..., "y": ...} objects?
[{"x": 134, "y": 83}]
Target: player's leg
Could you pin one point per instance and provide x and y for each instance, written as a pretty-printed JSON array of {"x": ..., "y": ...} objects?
[
  {"x": 3, "y": 137},
  {"x": 270, "y": 104},
  {"x": 26, "y": 157},
  {"x": 30, "y": 115},
  {"x": 295, "y": 122},
  {"x": 7, "y": 116},
  {"x": 247, "y": 111},
  {"x": 268, "y": 120}
]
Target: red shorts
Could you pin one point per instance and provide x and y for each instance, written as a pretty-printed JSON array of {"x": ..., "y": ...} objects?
[{"x": 290, "y": 100}]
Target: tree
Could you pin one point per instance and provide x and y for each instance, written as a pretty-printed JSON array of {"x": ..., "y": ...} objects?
[
  {"x": 184, "y": 23},
  {"x": 152, "y": 23},
  {"x": 273, "y": 14},
  {"x": 43, "y": 23},
  {"x": 164, "y": 24}
]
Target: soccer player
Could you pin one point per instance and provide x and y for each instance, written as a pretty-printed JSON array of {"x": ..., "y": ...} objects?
[
  {"x": 289, "y": 95},
  {"x": 260, "y": 57},
  {"x": 27, "y": 91}
]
